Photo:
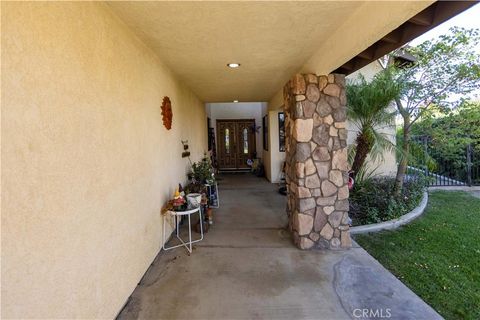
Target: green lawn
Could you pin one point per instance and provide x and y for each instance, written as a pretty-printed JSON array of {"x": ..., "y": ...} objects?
[{"x": 437, "y": 255}]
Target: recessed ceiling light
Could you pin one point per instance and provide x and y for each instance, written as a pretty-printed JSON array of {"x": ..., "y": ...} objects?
[
  {"x": 233, "y": 65},
  {"x": 235, "y": 101}
]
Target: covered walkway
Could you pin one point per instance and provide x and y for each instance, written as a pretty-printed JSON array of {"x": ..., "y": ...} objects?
[
  {"x": 248, "y": 268},
  {"x": 100, "y": 99}
]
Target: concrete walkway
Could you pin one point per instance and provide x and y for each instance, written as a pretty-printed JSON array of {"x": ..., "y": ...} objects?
[{"x": 247, "y": 268}]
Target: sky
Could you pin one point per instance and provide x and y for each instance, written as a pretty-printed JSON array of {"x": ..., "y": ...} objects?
[{"x": 468, "y": 19}]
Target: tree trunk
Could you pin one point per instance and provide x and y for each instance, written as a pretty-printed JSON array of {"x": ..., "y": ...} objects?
[
  {"x": 403, "y": 163},
  {"x": 364, "y": 146}
]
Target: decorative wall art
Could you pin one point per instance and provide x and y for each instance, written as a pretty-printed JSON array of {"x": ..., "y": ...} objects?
[
  {"x": 185, "y": 152},
  {"x": 167, "y": 113}
]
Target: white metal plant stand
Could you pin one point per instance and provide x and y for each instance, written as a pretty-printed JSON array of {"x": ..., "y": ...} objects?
[{"x": 177, "y": 215}]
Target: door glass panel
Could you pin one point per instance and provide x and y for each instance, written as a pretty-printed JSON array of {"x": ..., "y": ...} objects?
[
  {"x": 227, "y": 141},
  {"x": 245, "y": 141}
]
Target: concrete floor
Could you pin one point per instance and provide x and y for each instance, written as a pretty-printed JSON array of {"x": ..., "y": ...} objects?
[{"x": 247, "y": 268}]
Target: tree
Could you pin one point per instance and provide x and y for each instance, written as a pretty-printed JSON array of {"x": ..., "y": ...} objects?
[
  {"x": 367, "y": 106},
  {"x": 449, "y": 135},
  {"x": 445, "y": 69}
]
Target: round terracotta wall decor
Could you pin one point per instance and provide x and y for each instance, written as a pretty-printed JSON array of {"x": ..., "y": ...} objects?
[{"x": 167, "y": 113}]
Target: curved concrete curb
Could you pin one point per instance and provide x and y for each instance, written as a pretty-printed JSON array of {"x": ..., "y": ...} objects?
[{"x": 395, "y": 223}]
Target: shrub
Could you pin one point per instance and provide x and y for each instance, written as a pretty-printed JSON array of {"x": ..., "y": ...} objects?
[{"x": 373, "y": 200}]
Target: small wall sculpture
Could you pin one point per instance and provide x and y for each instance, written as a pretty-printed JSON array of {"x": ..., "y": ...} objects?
[{"x": 167, "y": 113}]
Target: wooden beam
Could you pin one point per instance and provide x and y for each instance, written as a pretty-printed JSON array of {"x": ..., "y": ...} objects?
[
  {"x": 349, "y": 65},
  {"x": 432, "y": 16},
  {"x": 424, "y": 18},
  {"x": 368, "y": 53},
  {"x": 395, "y": 36}
]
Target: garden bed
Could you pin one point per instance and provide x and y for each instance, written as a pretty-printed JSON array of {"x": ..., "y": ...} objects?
[
  {"x": 373, "y": 200},
  {"x": 394, "y": 223}
]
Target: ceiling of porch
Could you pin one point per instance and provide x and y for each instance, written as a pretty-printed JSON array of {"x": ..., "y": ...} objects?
[{"x": 271, "y": 40}]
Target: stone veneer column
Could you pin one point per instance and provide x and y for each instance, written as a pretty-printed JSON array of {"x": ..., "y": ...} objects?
[{"x": 316, "y": 161}]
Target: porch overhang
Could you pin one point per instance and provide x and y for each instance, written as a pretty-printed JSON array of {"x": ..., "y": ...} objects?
[
  {"x": 427, "y": 19},
  {"x": 274, "y": 40}
]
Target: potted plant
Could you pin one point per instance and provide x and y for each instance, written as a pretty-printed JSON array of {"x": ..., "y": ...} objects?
[{"x": 202, "y": 172}]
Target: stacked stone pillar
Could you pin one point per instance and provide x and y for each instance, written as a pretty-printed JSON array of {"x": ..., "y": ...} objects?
[{"x": 316, "y": 161}]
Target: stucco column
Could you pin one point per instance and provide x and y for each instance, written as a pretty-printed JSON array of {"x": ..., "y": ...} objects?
[{"x": 316, "y": 161}]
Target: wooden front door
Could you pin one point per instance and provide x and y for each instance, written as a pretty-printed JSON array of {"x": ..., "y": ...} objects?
[{"x": 236, "y": 143}]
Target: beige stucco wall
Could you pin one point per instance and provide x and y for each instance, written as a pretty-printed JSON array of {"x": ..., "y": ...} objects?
[
  {"x": 273, "y": 159},
  {"x": 86, "y": 161}
]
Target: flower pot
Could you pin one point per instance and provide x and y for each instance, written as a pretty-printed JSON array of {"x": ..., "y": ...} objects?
[{"x": 194, "y": 200}]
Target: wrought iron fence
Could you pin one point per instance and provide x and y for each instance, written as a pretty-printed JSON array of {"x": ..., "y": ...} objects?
[{"x": 462, "y": 169}]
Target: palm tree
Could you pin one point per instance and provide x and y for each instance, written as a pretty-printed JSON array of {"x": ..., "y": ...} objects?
[{"x": 368, "y": 108}]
